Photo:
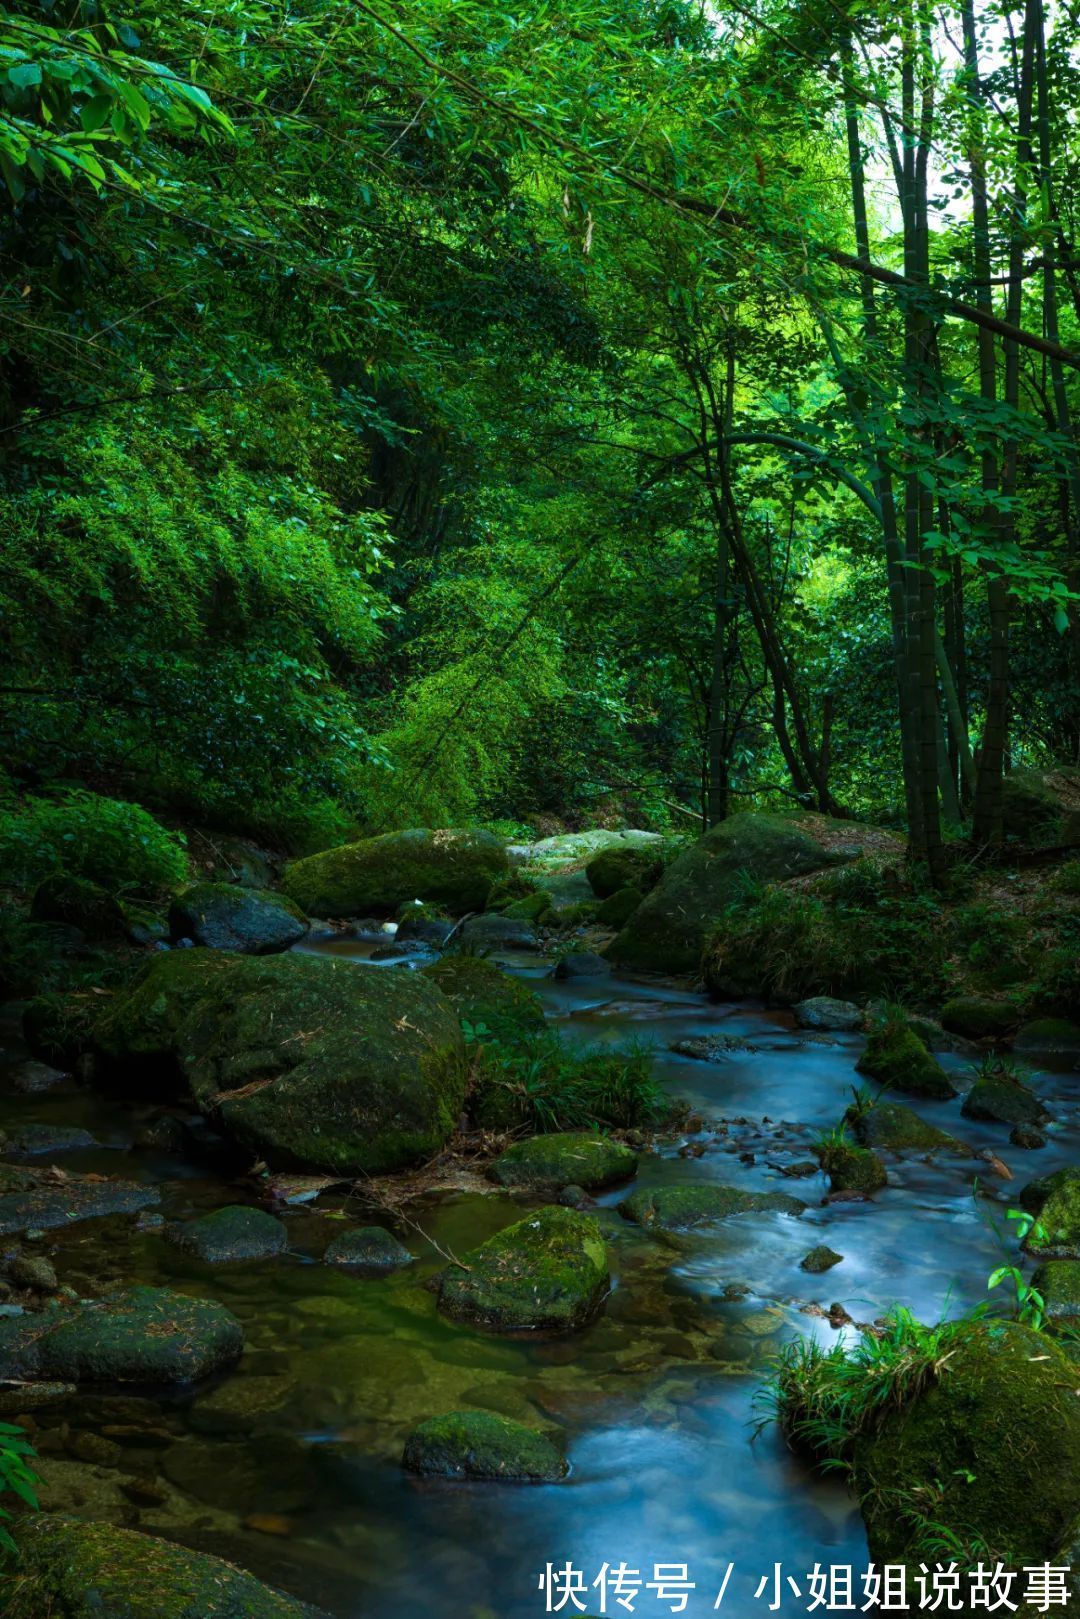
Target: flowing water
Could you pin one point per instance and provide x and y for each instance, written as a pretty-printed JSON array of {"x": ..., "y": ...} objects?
[{"x": 290, "y": 1465}]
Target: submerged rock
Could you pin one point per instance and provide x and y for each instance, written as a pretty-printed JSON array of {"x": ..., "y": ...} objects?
[
  {"x": 996, "y": 1434},
  {"x": 231, "y": 1235},
  {"x": 1002, "y": 1101},
  {"x": 72, "y": 1570},
  {"x": 567, "y": 1158},
  {"x": 820, "y": 1259},
  {"x": 224, "y": 916},
  {"x": 896, "y": 1057},
  {"x": 480, "y": 1445},
  {"x": 304, "y": 1059},
  {"x": 979, "y": 1019},
  {"x": 139, "y": 1335},
  {"x": 894, "y": 1125},
  {"x": 455, "y": 869},
  {"x": 825, "y": 1012},
  {"x": 680, "y": 1208},
  {"x": 669, "y": 929},
  {"x": 371, "y": 1249},
  {"x": 548, "y": 1273}
]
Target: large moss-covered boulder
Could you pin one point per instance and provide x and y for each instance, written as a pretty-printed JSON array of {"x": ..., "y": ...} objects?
[
  {"x": 231, "y": 1235},
  {"x": 1000, "y": 1100},
  {"x": 977, "y": 1018},
  {"x": 485, "y": 994},
  {"x": 681, "y": 1208},
  {"x": 900, "y": 1128},
  {"x": 1035, "y": 1195},
  {"x": 72, "y": 1570},
  {"x": 623, "y": 867},
  {"x": 668, "y": 930},
  {"x": 548, "y": 1273},
  {"x": 896, "y": 1057},
  {"x": 139, "y": 1335},
  {"x": 995, "y": 1437},
  {"x": 480, "y": 1445},
  {"x": 79, "y": 903},
  {"x": 224, "y": 916},
  {"x": 568, "y": 1158},
  {"x": 309, "y": 1061},
  {"x": 455, "y": 869}
]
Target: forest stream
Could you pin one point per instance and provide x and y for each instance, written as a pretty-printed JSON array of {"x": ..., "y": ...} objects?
[{"x": 290, "y": 1465}]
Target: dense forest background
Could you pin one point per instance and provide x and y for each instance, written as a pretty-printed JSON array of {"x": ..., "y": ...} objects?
[{"x": 455, "y": 414}]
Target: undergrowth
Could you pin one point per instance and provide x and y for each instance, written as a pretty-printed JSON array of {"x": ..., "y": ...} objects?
[{"x": 534, "y": 1081}]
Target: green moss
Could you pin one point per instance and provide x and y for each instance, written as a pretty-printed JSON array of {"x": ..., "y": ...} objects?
[
  {"x": 483, "y": 993},
  {"x": 821, "y": 1259},
  {"x": 533, "y": 908},
  {"x": 371, "y": 1249},
  {"x": 669, "y": 930},
  {"x": 480, "y": 1445},
  {"x": 304, "y": 1059},
  {"x": 619, "y": 907},
  {"x": 548, "y": 1273},
  {"x": 900, "y": 1128},
  {"x": 978, "y": 1019},
  {"x": 1056, "y": 1233},
  {"x": 989, "y": 1451},
  {"x": 225, "y": 916},
  {"x": 565, "y": 1159},
  {"x": 617, "y": 868},
  {"x": 1035, "y": 1195},
  {"x": 455, "y": 869},
  {"x": 1059, "y": 1284},
  {"x": 852, "y": 1169},
  {"x": 139, "y": 1335},
  {"x": 580, "y": 915},
  {"x": 896, "y": 1057},
  {"x": 680, "y": 1208},
  {"x": 998, "y": 1100},
  {"x": 231, "y": 1235},
  {"x": 69, "y": 1570}
]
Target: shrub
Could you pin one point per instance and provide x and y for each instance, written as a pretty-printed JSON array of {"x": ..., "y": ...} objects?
[
  {"x": 106, "y": 840},
  {"x": 16, "y": 1476},
  {"x": 537, "y": 1083}
]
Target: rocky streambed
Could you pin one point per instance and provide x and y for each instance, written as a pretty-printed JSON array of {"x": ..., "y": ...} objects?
[{"x": 268, "y": 1426}]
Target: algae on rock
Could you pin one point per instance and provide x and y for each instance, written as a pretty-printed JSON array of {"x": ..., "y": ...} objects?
[
  {"x": 452, "y": 868},
  {"x": 547, "y": 1273}
]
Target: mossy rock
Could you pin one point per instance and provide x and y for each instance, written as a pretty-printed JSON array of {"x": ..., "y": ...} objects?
[
  {"x": 533, "y": 908},
  {"x": 569, "y": 1158},
  {"x": 46, "y": 1204},
  {"x": 455, "y": 869},
  {"x": 1059, "y": 1284},
  {"x": 896, "y": 1057},
  {"x": 306, "y": 1060},
  {"x": 231, "y": 1235},
  {"x": 1048, "y": 1036},
  {"x": 820, "y": 1259},
  {"x": 681, "y": 1208},
  {"x": 547, "y": 1273},
  {"x": 669, "y": 929},
  {"x": 900, "y": 1128},
  {"x": 480, "y": 1445},
  {"x": 579, "y": 915},
  {"x": 78, "y": 903},
  {"x": 615, "y": 869},
  {"x": 979, "y": 1019},
  {"x": 1038, "y": 806},
  {"x": 483, "y": 993},
  {"x": 224, "y": 916},
  {"x": 852, "y": 1169},
  {"x": 72, "y": 1570},
  {"x": 1001, "y": 1101},
  {"x": 1036, "y": 1194},
  {"x": 370, "y": 1249},
  {"x": 1056, "y": 1233},
  {"x": 57, "y": 1027},
  {"x": 996, "y": 1436},
  {"x": 516, "y": 885},
  {"x": 139, "y": 1335},
  {"x": 618, "y": 908},
  {"x": 828, "y": 1013}
]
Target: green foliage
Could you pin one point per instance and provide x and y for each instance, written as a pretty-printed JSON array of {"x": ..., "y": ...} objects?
[
  {"x": 1067, "y": 879},
  {"x": 116, "y": 844},
  {"x": 16, "y": 1476},
  {"x": 1030, "y": 1306},
  {"x": 538, "y": 1082}
]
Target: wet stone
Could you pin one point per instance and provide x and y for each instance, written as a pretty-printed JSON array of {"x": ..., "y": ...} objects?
[
  {"x": 820, "y": 1259},
  {"x": 371, "y": 1249},
  {"x": 481, "y": 1445},
  {"x": 1027, "y": 1136},
  {"x": 680, "y": 1208},
  {"x": 32, "y": 1077},
  {"x": 37, "y": 1140},
  {"x": 231, "y": 1236},
  {"x": 576, "y": 1158},
  {"x": 824, "y": 1012},
  {"x": 47, "y": 1205},
  {"x": 1000, "y": 1101},
  {"x": 582, "y": 964}
]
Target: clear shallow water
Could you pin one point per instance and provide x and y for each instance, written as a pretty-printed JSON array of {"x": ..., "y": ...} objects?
[{"x": 290, "y": 1465}]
